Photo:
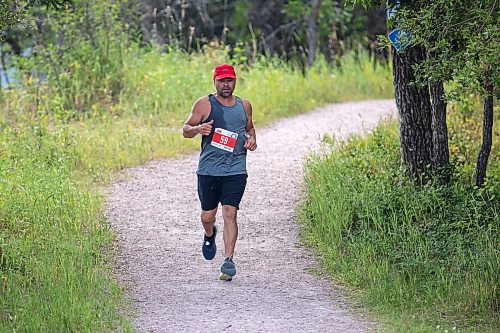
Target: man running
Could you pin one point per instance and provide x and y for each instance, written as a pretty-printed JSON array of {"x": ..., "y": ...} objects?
[{"x": 225, "y": 123}]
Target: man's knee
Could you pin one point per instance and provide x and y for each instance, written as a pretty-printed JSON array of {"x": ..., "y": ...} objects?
[
  {"x": 208, "y": 216},
  {"x": 229, "y": 212}
]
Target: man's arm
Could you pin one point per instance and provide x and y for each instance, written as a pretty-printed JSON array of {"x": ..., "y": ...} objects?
[
  {"x": 251, "y": 143},
  {"x": 193, "y": 124}
]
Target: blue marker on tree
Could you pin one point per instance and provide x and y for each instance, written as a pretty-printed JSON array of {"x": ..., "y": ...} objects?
[{"x": 400, "y": 39}]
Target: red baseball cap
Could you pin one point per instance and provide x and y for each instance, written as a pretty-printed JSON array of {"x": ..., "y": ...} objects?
[{"x": 223, "y": 71}]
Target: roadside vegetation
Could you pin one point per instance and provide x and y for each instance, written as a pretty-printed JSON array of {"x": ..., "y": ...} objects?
[
  {"x": 426, "y": 257},
  {"x": 59, "y": 145}
]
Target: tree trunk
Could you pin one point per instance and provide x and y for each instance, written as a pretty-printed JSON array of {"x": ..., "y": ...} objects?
[
  {"x": 484, "y": 153},
  {"x": 4, "y": 68},
  {"x": 440, "y": 153},
  {"x": 313, "y": 32},
  {"x": 14, "y": 44},
  {"x": 414, "y": 109}
]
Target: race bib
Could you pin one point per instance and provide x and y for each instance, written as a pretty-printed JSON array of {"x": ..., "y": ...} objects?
[{"x": 224, "y": 139}]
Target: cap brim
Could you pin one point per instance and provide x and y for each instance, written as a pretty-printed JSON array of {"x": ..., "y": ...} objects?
[{"x": 223, "y": 76}]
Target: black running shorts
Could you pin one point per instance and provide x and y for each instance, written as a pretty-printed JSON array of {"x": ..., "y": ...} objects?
[{"x": 228, "y": 190}]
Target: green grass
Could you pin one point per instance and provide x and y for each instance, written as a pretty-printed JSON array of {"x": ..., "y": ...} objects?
[
  {"x": 424, "y": 258},
  {"x": 56, "y": 249},
  {"x": 53, "y": 272}
]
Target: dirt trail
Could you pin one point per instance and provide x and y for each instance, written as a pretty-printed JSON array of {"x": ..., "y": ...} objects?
[{"x": 154, "y": 211}]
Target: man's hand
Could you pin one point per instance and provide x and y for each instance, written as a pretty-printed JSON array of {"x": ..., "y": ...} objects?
[
  {"x": 193, "y": 125},
  {"x": 251, "y": 143},
  {"x": 206, "y": 128}
]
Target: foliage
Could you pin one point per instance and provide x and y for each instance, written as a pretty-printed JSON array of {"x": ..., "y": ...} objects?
[
  {"x": 59, "y": 65},
  {"x": 333, "y": 18},
  {"x": 54, "y": 243},
  {"x": 465, "y": 134},
  {"x": 262, "y": 27},
  {"x": 15, "y": 14},
  {"x": 12, "y": 15},
  {"x": 462, "y": 39},
  {"x": 367, "y": 3},
  {"x": 337, "y": 23},
  {"x": 426, "y": 256}
]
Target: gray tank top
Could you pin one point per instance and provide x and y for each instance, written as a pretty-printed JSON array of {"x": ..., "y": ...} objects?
[{"x": 222, "y": 152}]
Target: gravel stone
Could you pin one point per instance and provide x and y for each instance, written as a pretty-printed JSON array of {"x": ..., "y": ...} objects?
[{"x": 154, "y": 211}]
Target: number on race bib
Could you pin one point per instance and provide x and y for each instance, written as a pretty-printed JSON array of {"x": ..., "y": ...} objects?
[{"x": 224, "y": 139}]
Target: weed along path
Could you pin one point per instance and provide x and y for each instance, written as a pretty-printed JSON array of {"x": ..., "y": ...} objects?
[{"x": 154, "y": 211}]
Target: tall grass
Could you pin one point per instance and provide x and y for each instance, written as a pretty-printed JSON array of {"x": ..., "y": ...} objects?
[
  {"x": 53, "y": 276},
  {"x": 426, "y": 257},
  {"x": 154, "y": 84},
  {"x": 55, "y": 246}
]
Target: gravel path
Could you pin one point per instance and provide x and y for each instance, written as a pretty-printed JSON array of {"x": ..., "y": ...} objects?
[{"x": 154, "y": 211}]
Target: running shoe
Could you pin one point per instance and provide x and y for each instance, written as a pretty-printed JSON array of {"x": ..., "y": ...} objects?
[
  {"x": 209, "y": 248},
  {"x": 228, "y": 270}
]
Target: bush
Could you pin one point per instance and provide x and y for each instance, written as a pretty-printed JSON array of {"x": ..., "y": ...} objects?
[{"x": 430, "y": 252}]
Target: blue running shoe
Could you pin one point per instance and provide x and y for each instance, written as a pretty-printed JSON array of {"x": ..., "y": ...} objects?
[
  {"x": 208, "y": 248},
  {"x": 228, "y": 270}
]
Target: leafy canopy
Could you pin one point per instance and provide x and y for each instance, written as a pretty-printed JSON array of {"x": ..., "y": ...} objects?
[
  {"x": 462, "y": 38},
  {"x": 15, "y": 13}
]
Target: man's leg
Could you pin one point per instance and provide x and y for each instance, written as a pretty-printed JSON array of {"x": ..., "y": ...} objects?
[
  {"x": 209, "y": 247},
  {"x": 229, "y": 214},
  {"x": 232, "y": 191},
  {"x": 208, "y": 193},
  {"x": 208, "y": 221}
]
